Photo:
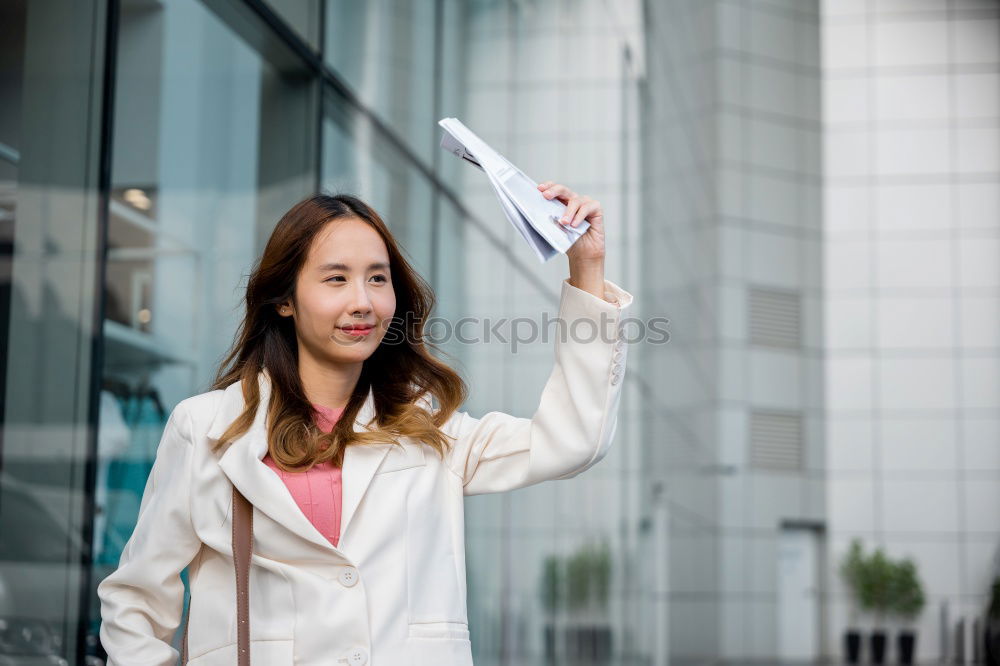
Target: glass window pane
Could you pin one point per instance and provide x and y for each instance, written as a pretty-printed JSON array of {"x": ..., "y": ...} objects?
[
  {"x": 211, "y": 145},
  {"x": 357, "y": 159},
  {"x": 50, "y": 119},
  {"x": 385, "y": 51},
  {"x": 302, "y": 15}
]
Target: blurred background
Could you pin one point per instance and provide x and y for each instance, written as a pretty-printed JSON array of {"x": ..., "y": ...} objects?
[{"x": 808, "y": 472}]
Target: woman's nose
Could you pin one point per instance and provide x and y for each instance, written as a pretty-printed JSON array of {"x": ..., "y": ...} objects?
[{"x": 361, "y": 302}]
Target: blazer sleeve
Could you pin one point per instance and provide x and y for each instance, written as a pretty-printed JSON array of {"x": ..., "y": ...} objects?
[
  {"x": 142, "y": 600},
  {"x": 575, "y": 422}
]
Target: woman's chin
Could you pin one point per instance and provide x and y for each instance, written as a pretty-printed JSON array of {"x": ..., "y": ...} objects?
[{"x": 353, "y": 350}]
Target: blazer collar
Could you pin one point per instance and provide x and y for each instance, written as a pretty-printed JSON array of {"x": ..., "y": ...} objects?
[{"x": 243, "y": 463}]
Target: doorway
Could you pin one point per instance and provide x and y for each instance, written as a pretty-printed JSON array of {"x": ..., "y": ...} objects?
[{"x": 799, "y": 598}]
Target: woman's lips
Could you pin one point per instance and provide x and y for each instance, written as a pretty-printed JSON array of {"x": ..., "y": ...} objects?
[{"x": 358, "y": 332}]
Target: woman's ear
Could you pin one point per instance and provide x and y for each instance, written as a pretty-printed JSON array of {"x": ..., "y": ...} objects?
[{"x": 285, "y": 309}]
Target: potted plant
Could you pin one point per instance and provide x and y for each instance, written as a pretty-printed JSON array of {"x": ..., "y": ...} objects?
[
  {"x": 991, "y": 635},
  {"x": 852, "y": 571},
  {"x": 601, "y": 570},
  {"x": 551, "y": 595},
  {"x": 577, "y": 589},
  {"x": 588, "y": 573},
  {"x": 906, "y": 601},
  {"x": 577, "y": 595},
  {"x": 876, "y": 589}
]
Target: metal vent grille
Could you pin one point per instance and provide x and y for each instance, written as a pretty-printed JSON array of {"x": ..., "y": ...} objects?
[
  {"x": 775, "y": 318},
  {"x": 776, "y": 440}
]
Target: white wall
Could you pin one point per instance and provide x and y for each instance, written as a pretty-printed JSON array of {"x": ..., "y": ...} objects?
[
  {"x": 912, "y": 279},
  {"x": 768, "y": 222}
]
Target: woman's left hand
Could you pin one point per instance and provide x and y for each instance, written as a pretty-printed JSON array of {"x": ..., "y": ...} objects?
[{"x": 590, "y": 246}]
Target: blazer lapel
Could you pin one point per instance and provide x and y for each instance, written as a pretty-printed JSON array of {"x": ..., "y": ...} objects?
[
  {"x": 360, "y": 465},
  {"x": 243, "y": 463}
]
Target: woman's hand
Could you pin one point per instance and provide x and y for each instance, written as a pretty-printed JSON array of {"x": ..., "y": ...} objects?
[
  {"x": 590, "y": 246},
  {"x": 586, "y": 255}
]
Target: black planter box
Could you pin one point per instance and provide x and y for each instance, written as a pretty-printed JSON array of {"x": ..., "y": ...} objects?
[
  {"x": 852, "y": 646},
  {"x": 878, "y": 647},
  {"x": 906, "y": 644},
  {"x": 991, "y": 643},
  {"x": 582, "y": 643}
]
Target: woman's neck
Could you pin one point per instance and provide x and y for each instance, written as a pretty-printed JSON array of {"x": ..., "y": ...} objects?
[{"x": 330, "y": 387}]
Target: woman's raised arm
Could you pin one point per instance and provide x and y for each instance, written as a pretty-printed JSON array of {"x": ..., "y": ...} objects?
[{"x": 575, "y": 422}]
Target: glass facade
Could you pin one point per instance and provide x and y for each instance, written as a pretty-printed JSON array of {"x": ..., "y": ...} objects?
[
  {"x": 778, "y": 177},
  {"x": 51, "y": 166}
]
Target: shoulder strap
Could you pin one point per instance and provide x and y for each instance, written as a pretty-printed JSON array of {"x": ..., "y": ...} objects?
[{"x": 242, "y": 549}]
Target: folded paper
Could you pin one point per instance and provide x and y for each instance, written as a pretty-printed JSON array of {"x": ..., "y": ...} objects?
[{"x": 535, "y": 217}]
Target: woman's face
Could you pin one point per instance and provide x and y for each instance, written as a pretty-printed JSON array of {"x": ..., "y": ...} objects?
[{"x": 344, "y": 282}]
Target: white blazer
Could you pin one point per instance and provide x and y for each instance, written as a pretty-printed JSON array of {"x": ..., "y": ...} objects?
[{"x": 394, "y": 592}]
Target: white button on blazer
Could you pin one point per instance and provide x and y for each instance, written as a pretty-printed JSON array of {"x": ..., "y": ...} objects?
[{"x": 393, "y": 593}]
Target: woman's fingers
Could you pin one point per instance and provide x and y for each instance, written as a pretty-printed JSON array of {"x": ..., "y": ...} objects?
[
  {"x": 588, "y": 208},
  {"x": 556, "y": 190},
  {"x": 578, "y": 208},
  {"x": 572, "y": 208}
]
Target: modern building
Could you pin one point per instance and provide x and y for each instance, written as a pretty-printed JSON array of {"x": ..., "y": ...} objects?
[{"x": 809, "y": 191}]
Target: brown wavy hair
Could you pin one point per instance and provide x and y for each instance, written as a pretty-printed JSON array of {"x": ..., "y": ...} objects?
[{"x": 399, "y": 374}]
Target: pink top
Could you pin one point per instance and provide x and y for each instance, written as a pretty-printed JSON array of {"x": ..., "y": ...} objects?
[{"x": 317, "y": 491}]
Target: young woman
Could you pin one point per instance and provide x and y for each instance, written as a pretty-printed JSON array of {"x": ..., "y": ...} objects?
[{"x": 332, "y": 418}]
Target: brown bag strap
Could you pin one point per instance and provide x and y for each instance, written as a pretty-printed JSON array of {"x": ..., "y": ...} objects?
[{"x": 242, "y": 550}]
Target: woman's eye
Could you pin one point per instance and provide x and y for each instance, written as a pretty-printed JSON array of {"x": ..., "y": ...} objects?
[{"x": 341, "y": 277}]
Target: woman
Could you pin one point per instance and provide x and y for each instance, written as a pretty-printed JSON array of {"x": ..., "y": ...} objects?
[{"x": 304, "y": 392}]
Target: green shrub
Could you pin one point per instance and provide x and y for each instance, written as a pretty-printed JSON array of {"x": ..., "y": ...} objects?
[
  {"x": 584, "y": 577},
  {"x": 994, "y": 609},
  {"x": 907, "y": 594},
  {"x": 876, "y": 583},
  {"x": 880, "y": 585},
  {"x": 551, "y": 585}
]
